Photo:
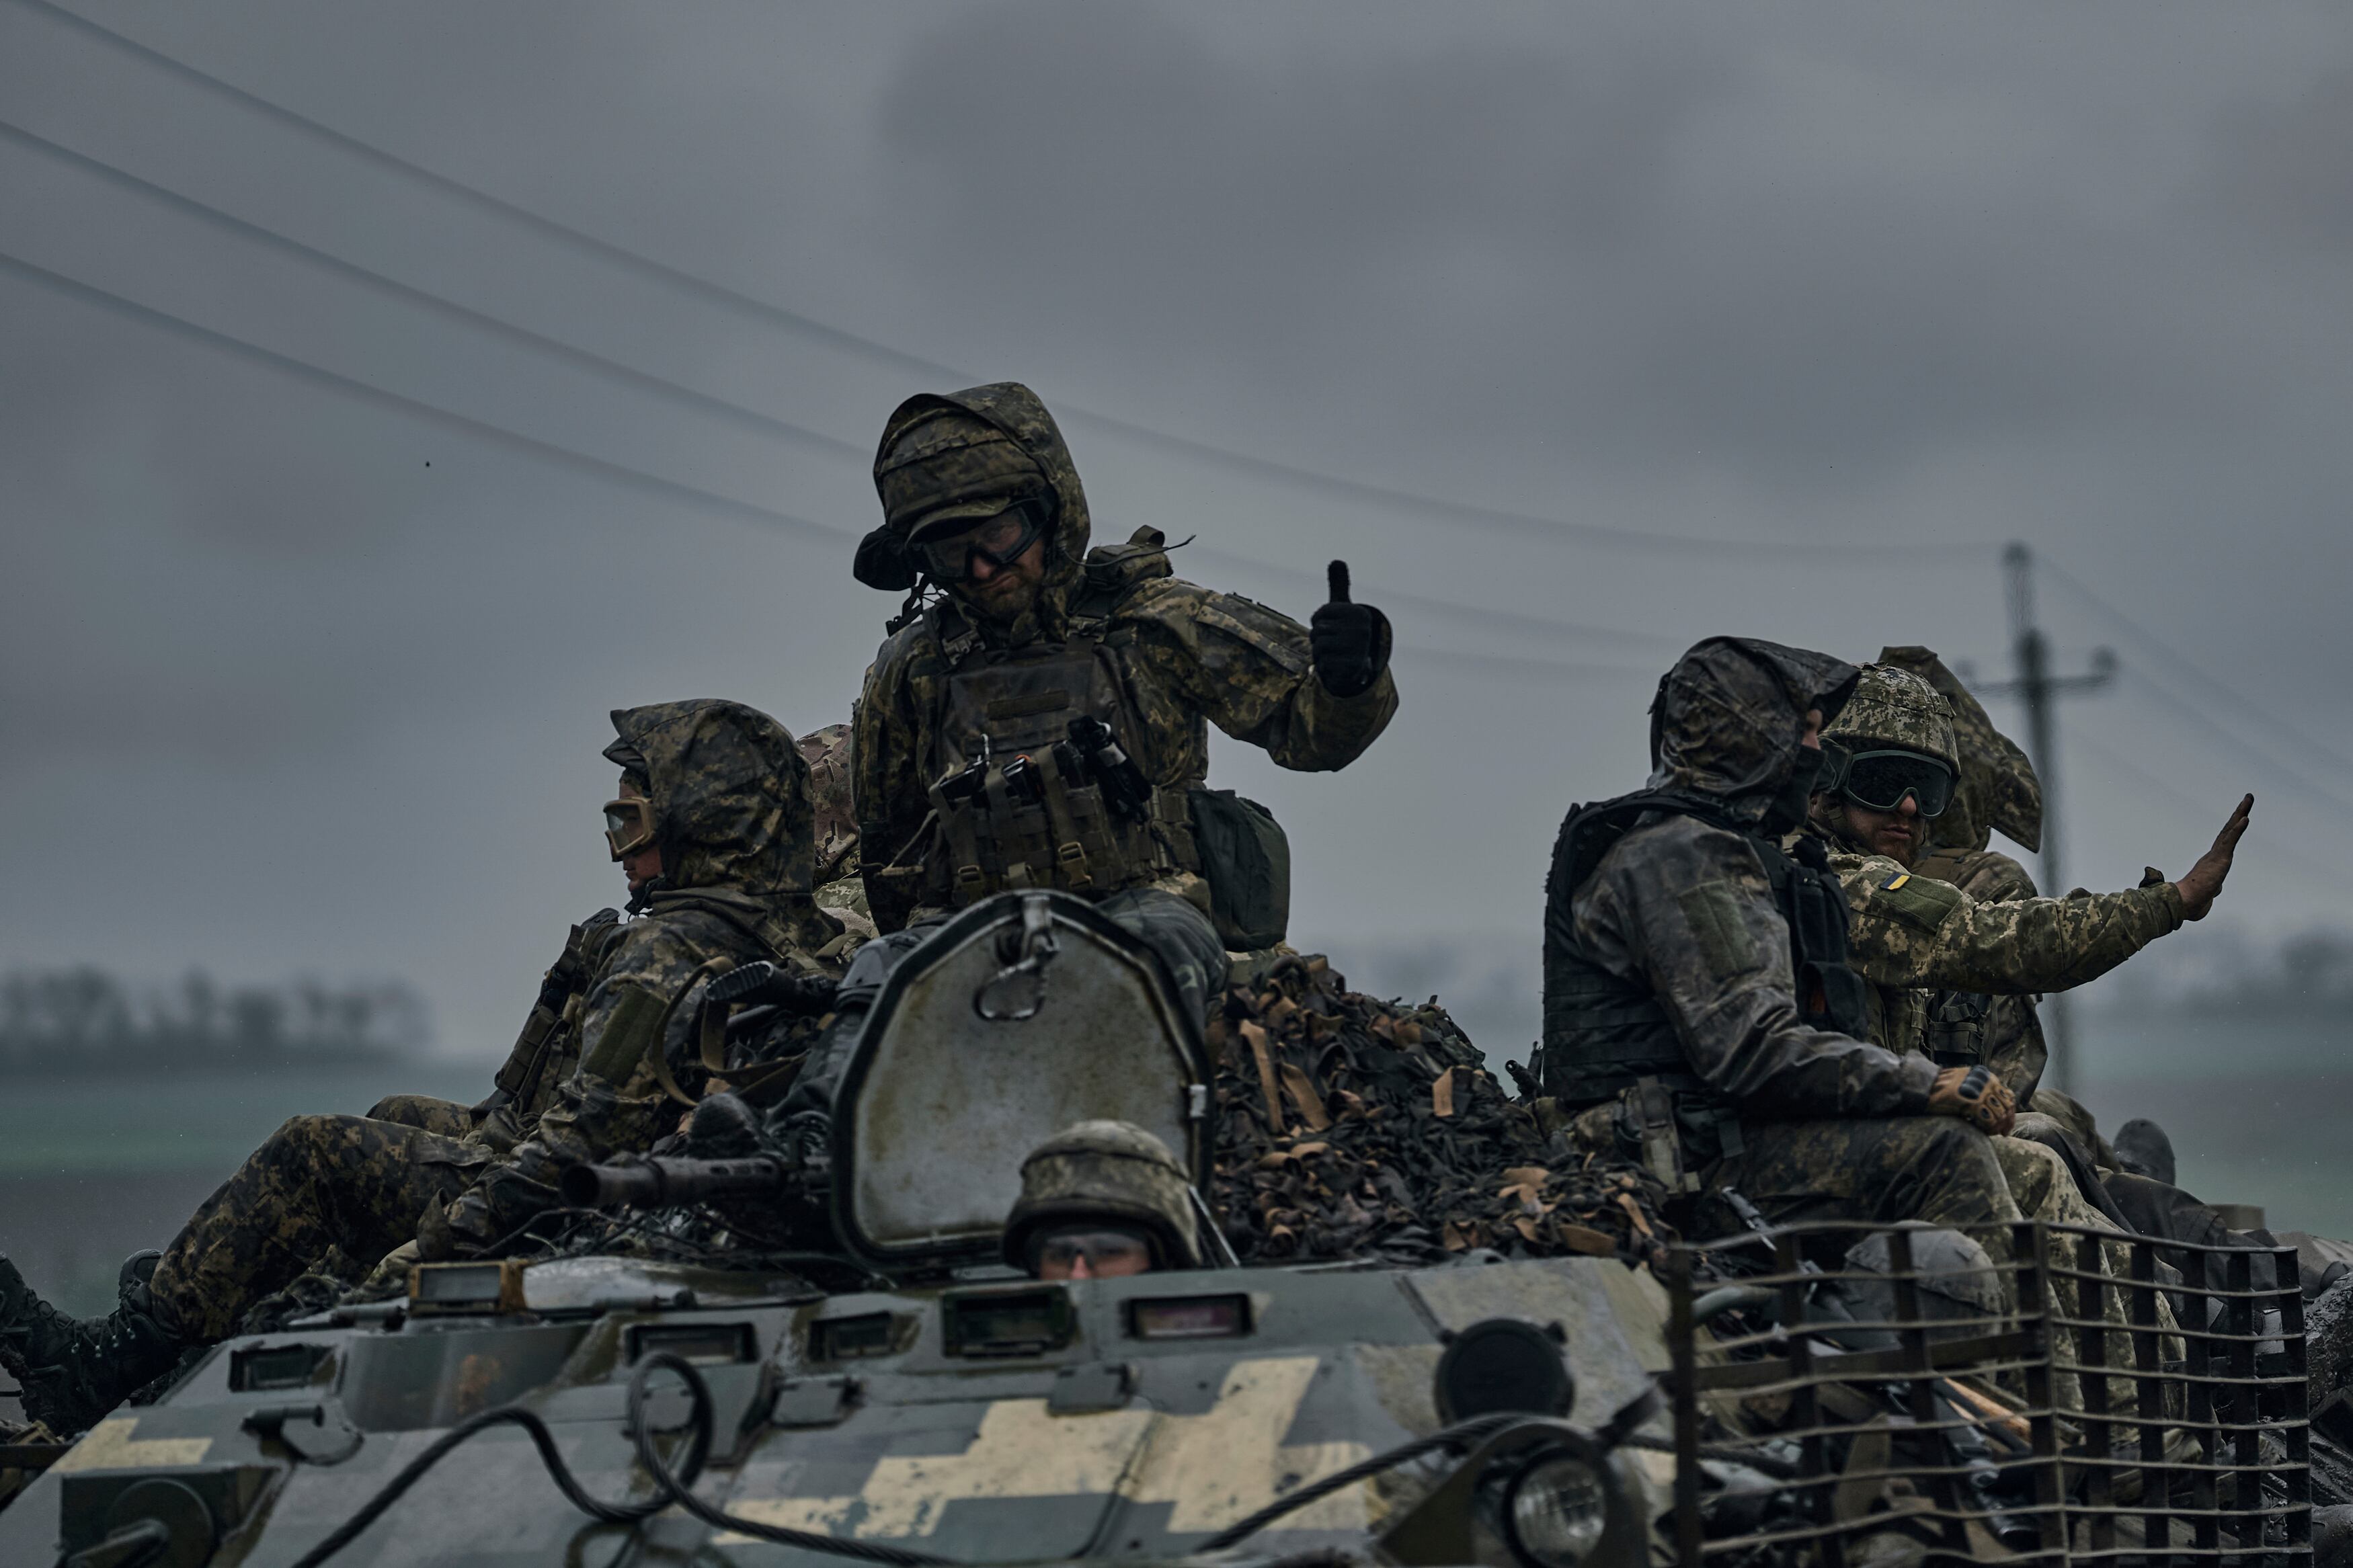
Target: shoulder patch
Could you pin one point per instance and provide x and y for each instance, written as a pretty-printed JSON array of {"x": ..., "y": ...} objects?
[
  {"x": 1922, "y": 903},
  {"x": 1725, "y": 945}
]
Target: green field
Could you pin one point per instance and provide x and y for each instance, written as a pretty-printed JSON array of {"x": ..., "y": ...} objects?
[{"x": 73, "y": 1126}]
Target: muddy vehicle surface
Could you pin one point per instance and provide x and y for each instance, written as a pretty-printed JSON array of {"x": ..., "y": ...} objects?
[{"x": 900, "y": 1396}]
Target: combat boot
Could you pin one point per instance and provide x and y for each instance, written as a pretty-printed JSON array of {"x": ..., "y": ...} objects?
[{"x": 72, "y": 1371}]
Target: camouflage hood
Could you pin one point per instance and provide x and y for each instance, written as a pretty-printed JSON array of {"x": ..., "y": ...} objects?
[
  {"x": 940, "y": 449},
  {"x": 1999, "y": 791},
  {"x": 731, "y": 794},
  {"x": 1726, "y": 720}
]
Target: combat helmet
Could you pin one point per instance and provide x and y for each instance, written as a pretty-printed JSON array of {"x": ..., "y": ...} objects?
[
  {"x": 1894, "y": 708},
  {"x": 1107, "y": 1172}
]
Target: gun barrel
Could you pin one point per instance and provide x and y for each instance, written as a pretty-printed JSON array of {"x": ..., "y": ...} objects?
[{"x": 668, "y": 1182}]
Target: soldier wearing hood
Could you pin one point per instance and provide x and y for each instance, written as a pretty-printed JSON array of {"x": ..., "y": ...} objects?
[
  {"x": 1697, "y": 1000},
  {"x": 712, "y": 828},
  {"x": 1045, "y": 721}
]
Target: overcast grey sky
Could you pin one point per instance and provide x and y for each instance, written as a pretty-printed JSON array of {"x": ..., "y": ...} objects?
[{"x": 298, "y": 680}]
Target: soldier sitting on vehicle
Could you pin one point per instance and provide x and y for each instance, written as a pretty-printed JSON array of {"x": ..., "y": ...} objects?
[
  {"x": 1045, "y": 724},
  {"x": 1698, "y": 1005},
  {"x": 1102, "y": 1199},
  {"x": 1934, "y": 955},
  {"x": 712, "y": 831}
]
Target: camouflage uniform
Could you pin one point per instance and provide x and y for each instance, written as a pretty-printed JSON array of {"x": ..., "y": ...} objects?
[
  {"x": 1829, "y": 1126},
  {"x": 1938, "y": 959},
  {"x": 1913, "y": 935},
  {"x": 731, "y": 796},
  {"x": 1179, "y": 658},
  {"x": 840, "y": 890}
]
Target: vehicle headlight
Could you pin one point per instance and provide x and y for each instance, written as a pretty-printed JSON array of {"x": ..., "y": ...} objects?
[{"x": 1554, "y": 1511}]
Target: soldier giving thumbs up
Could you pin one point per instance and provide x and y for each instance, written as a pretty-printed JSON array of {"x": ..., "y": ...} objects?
[{"x": 1350, "y": 641}]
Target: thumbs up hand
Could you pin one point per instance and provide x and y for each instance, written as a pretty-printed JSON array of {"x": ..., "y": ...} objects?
[{"x": 1350, "y": 641}]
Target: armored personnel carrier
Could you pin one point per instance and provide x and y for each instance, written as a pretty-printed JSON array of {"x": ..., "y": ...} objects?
[{"x": 898, "y": 1396}]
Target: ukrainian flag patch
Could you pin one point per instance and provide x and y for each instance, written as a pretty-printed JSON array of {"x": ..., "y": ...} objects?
[{"x": 1896, "y": 881}]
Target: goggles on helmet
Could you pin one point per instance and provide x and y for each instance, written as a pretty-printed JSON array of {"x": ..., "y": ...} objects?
[
  {"x": 1878, "y": 780},
  {"x": 1000, "y": 539},
  {"x": 628, "y": 824}
]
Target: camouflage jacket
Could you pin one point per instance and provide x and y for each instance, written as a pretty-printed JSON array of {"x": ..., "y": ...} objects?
[
  {"x": 730, "y": 793},
  {"x": 1683, "y": 908},
  {"x": 1913, "y": 934},
  {"x": 1187, "y": 657}
]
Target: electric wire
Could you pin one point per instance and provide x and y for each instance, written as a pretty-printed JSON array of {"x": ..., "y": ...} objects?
[
  {"x": 1551, "y": 530},
  {"x": 465, "y": 315},
  {"x": 2204, "y": 722},
  {"x": 2151, "y": 643},
  {"x": 2157, "y": 789},
  {"x": 620, "y": 473},
  {"x": 239, "y": 347}
]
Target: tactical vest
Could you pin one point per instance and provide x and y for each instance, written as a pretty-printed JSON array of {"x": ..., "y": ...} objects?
[
  {"x": 1022, "y": 799},
  {"x": 1603, "y": 1034}
]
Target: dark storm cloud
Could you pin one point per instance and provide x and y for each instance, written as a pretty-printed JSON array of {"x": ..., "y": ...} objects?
[
  {"x": 1822, "y": 272},
  {"x": 1630, "y": 237}
]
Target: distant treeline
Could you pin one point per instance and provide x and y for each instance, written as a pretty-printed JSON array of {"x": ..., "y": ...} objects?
[{"x": 83, "y": 1019}]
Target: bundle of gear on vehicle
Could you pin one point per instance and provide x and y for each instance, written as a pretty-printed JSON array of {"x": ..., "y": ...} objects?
[{"x": 1349, "y": 1127}]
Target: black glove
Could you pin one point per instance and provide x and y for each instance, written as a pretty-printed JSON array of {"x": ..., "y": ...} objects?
[{"x": 1351, "y": 642}]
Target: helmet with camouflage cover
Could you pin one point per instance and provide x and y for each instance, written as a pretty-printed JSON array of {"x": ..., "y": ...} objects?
[
  {"x": 1108, "y": 1173},
  {"x": 2000, "y": 792},
  {"x": 1892, "y": 708}
]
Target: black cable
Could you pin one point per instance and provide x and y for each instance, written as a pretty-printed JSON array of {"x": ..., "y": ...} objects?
[
  {"x": 481, "y": 321},
  {"x": 680, "y": 1490},
  {"x": 1549, "y": 529},
  {"x": 639, "y": 479},
  {"x": 541, "y": 1439},
  {"x": 615, "y": 473},
  {"x": 1461, "y": 1434},
  {"x": 2235, "y": 700}
]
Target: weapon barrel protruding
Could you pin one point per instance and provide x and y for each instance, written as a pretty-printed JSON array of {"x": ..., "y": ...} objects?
[{"x": 667, "y": 1183}]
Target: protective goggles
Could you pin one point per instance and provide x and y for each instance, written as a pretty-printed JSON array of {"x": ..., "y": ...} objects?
[
  {"x": 1878, "y": 780},
  {"x": 1000, "y": 539},
  {"x": 628, "y": 824}
]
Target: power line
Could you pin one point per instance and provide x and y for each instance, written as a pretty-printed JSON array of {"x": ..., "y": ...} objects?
[
  {"x": 1525, "y": 525},
  {"x": 2201, "y": 811},
  {"x": 611, "y": 473},
  {"x": 481, "y": 321},
  {"x": 627, "y": 375},
  {"x": 615, "y": 473},
  {"x": 2150, "y": 642},
  {"x": 1513, "y": 666},
  {"x": 2201, "y": 721}
]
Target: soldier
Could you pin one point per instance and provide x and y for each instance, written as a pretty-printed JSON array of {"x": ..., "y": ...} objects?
[
  {"x": 840, "y": 890},
  {"x": 712, "y": 831},
  {"x": 1101, "y": 1198},
  {"x": 1045, "y": 724},
  {"x": 1697, "y": 998},
  {"x": 1892, "y": 768}
]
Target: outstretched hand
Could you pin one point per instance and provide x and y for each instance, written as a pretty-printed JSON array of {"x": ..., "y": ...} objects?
[{"x": 2205, "y": 878}]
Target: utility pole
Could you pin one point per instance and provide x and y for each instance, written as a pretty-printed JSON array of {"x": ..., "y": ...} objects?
[{"x": 2037, "y": 687}]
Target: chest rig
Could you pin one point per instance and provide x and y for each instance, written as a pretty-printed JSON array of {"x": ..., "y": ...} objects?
[
  {"x": 1606, "y": 1037},
  {"x": 1035, "y": 783}
]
